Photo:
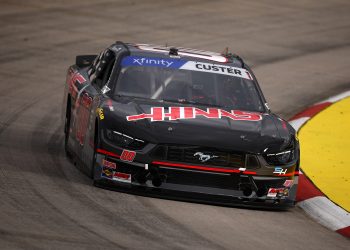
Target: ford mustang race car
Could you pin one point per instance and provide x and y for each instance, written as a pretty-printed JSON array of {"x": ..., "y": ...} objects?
[{"x": 178, "y": 123}]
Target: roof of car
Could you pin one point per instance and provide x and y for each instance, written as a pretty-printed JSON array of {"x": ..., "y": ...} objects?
[{"x": 191, "y": 54}]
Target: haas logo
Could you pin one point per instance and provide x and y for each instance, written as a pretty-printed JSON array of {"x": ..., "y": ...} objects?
[{"x": 203, "y": 157}]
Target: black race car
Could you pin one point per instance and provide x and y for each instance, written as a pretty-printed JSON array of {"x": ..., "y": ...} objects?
[{"x": 180, "y": 123}]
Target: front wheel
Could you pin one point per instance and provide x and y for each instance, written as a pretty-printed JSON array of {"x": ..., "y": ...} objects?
[
  {"x": 94, "y": 157},
  {"x": 67, "y": 129}
]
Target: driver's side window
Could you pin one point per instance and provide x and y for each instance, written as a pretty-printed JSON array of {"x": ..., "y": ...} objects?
[{"x": 101, "y": 69}]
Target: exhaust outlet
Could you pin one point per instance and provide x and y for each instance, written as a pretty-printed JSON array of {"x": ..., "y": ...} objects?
[
  {"x": 155, "y": 176},
  {"x": 261, "y": 192},
  {"x": 141, "y": 178},
  {"x": 156, "y": 181},
  {"x": 247, "y": 191}
]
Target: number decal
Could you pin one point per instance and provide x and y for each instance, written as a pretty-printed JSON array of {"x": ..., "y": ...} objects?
[{"x": 128, "y": 155}]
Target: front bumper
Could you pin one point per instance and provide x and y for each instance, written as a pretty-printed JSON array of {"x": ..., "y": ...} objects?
[{"x": 174, "y": 181}]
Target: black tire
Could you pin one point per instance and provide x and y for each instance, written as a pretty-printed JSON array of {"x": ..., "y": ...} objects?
[
  {"x": 67, "y": 128},
  {"x": 94, "y": 157}
]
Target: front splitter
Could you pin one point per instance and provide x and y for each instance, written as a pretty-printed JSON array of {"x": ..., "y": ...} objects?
[{"x": 183, "y": 194}]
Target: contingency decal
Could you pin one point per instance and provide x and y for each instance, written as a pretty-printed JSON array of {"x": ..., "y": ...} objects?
[
  {"x": 106, "y": 173},
  {"x": 109, "y": 164},
  {"x": 186, "y": 65},
  {"x": 277, "y": 192},
  {"x": 100, "y": 113},
  {"x": 110, "y": 105},
  {"x": 122, "y": 177},
  {"x": 176, "y": 113},
  {"x": 288, "y": 183}
]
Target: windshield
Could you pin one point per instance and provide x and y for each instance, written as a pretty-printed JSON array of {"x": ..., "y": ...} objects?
[{"x": 177, "y": 80}]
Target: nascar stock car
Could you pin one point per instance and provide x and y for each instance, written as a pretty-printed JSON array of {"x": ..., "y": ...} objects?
[{"x": 178, "y": 123}]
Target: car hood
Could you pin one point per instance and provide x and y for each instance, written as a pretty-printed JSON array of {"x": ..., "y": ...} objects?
[{"x": 269, "y": 134}]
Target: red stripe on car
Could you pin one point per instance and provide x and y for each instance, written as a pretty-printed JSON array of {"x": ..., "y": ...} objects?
[
  {"x": 204, "y": 168},
  {"x": 105, "y": 152}
]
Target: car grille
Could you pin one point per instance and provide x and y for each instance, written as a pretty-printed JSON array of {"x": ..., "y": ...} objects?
[{"x": 188, "y": 154}]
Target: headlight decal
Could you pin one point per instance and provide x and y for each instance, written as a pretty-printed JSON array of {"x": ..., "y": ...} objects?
[
  {"x": 280, "y": 158},
  {"x": 123, "y": 140}
]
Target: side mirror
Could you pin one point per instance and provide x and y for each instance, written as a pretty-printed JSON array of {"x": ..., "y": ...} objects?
[{"x": 84, "y": 60}]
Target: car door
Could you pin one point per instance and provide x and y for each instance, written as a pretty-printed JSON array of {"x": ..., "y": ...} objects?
[{"x": 91, "y": 98}]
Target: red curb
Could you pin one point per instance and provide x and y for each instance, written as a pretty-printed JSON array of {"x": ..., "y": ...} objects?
[
  {"x": 312, "y": 111},
  {"x": 344, "y": 231},
  {"x": 306, "y": 189}
]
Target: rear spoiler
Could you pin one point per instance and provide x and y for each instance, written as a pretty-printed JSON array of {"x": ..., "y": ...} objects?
[{"x": 84, "y": 60}]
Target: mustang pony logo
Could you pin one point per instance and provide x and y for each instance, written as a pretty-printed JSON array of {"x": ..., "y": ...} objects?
[{"x": 204, "y": 157}]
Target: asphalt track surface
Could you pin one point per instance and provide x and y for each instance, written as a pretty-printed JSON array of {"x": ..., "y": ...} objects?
[{"x": 299, "y": 51}]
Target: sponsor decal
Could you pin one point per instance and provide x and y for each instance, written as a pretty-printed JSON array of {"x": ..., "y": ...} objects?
[
  {"x": 128, "y": 155},
  {"x": 176, "y": 113},
  {"x": 280, "y": 171},
  {"x": 83, "y": 113},
  {"x": 108, "y": 164},
  {"x": 288, "y": 183},
  {"x": 77, "y": 77},
  {"x": 122, "y": 177},
  {"x": 152, "y": 62},
  {"x": 273, "y": 192},
  {"x": 277, "y": 192},
  {"x": 106, "y": 173},
  {"x": 73, "y": 78},
  {"x": 203, "y": 157},
  {"x": 86, "y": 100},
  {"x": 99, "y": 111},
  {"x": 110, "y": 105},
  {"x": 186, "y": 65}
]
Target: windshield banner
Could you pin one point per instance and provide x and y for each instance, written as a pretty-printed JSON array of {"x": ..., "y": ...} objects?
[{"x": 186, "y": 65}]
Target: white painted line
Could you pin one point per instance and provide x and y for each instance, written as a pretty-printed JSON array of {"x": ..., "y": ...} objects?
[
  {"x": 326, "y": 212},
  {"x": 337, "y": 97},
  {"x": 297, "y": 123}
]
